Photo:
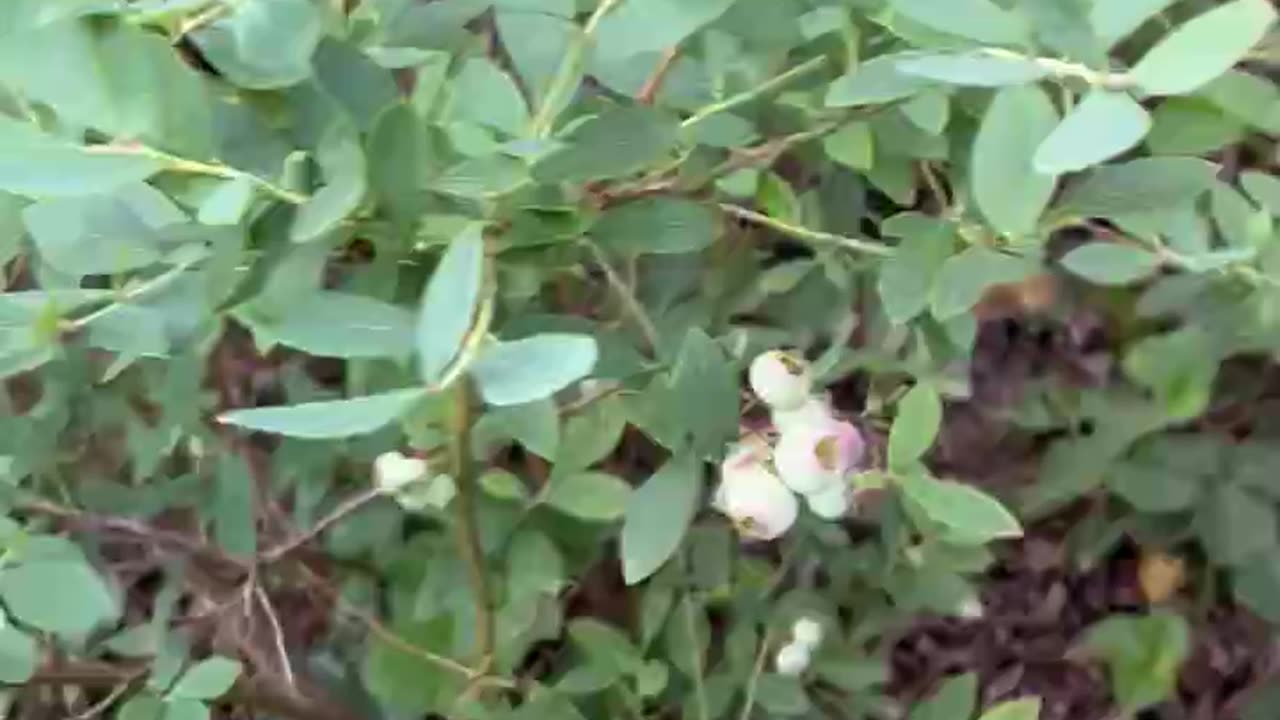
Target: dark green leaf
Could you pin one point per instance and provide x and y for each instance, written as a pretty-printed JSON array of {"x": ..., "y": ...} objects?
[
  {"x": 915, "y": 426},
  {"x": 658, "y": 515},
  {"x": 485, "y": 95},
  {"x": 965, "y": 277},
  {"x": 657, "y": 225},
  {"x": 957, "y": 697},
  {"x": 877, "y": 81},
  {"x": 615, "y": 143},
  {"x": 704, "y": 390},
  {"x": 1145, "y": 185},
  {"x": 782, "y": 696},
  {"x": 1236, "y": 526},
  {"x": 589, "y": 495}
]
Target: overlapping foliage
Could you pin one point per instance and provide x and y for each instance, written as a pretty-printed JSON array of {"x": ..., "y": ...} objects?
[{"x": 250, "y": 246}]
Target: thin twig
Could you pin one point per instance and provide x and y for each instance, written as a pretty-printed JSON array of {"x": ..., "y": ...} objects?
[
  {"x": 100, "y": 707},
  {"x": 568, "y": 73},
  {"x": 651, "y": 86},
  {"x": 749, "y": 698},
  {"x": 343, "y": 509},
  {"x": 767, "y": 87},
  {"x": 277, "y": 637},
  {"x": 628, "y": 297},
  {"x": 813, "y": 237}
]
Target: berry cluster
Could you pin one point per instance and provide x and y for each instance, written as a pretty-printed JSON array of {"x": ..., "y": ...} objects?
[
  {"x": 794, "y": 657},
  {"x": 813, "y": 455}
]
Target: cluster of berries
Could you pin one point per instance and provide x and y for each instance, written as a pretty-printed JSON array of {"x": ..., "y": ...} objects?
[
  {"x": 813, "y": 456},
  {"x": 794, "y": 657}
]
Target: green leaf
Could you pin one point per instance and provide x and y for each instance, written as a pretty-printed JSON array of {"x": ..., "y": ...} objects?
[
  {"x": 101, "y": 234},
  {"x": 404, "y": 680},
  {"x": 343, "y": 164},
  {"x": 485, "y": 95},
  {"x": 400, "y": 159},
  {"x": 591, "y": 435},
  {"x": 1008, "y": 190},
  {"x": 591, "y": 496},
  {"x": 1179, "y": 367},
  {"x": 19, "y": 655},
  {"x": 534, "y": 425},
  {"x": 1264, "y": 189},
  {"x": 782, "y": 696},
  {"x": 1143, "y": 654},
  {"x": 228, "y": 203},
  {"x": 533, "y": 368},
  {"x": 482, "y": 177},
  {"x": 657, "y": 225},
  {"x": 615, "y": 143},
  {"x": 1191, "y": 126},
  {"x": 1109, "y": 263},
  {"x": 978, "y": 20},
  {"x": 956, "y": 698},
  {"x": 851, "y": 146},
  {"x": 1256, "y": 585},
  {"x": 978, "y": 68},
  {"x": 658, "y": 515},
  {"x": 208, "y": 679},
  {"x": 62, "y": 595},
  {"x": 38, "y": 165},
  {"x": 970, "y": 516},
  {"x": 360, "y": 87},
  {"x": 704, "y": 392},
  {"x": 1101, "y": 127},
  {"x": 965, "y": 277},
  {"x": 1236, "y": 526},
  {"x": 1021, "y": 709},
  {"x": 638, "y": 26},
  {"x": 915, "y": 426},
  {"x": 327, "y": 419},
  {"x": 449, "y": 303},
  {"x": 1143, "y": 185},
  {"x": 875, "y": 82},
  {"x": 233, "y": 507},
  {"x": 1113, "y": 21},
  {"x": 336, "y": 324},
  {"x": 536, "y": 41},
  {"x": 250, "y": 49},
  {"x": 1203, "y": 48},
  {"x": 1247, "y": 98},
  {"x": 907, "y": 277}
]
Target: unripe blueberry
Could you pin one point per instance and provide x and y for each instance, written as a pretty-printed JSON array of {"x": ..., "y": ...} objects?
[
  {"x": 813, "y": 456},
  {"x": 815, "y": 410},
  {"x": 792, "y": 659},
  {"x": 392, "y": 471},
  {"x": 807, "y": 632},
  {"x": 780, "y": 379},
  {"x": 831, "y": 502},
  {"x": 754, "y": 498}
]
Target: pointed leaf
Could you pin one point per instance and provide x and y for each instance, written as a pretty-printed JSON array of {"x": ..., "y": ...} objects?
[
  {"x": 533, "y": 368},
  {"x": 915, "y": 426},
  {"x": 449, "y": 303},
  {"x": 969, "y": 515},
  {"x": 658, "y": 515},
  {"x": 327, "y": 419}
]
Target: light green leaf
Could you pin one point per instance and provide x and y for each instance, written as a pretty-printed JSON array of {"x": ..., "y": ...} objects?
[
  {"x": 978, "y": 68},
  {"x": 449, "y": 303},
  {"x": 233, "y": 507},
  {"x": 228, "y": 203},
  {"x": 400, "y": 158},
  {"x": 915, "y": 426},
  {"x": 1111, "y": 263},
  {"x": 1191, "y": 126},
  {"x": 874, "y": 82},
  {"x": 1264, "y": 189},
  {"x": 533, "y": 368},
  {"x": 591, "y": 435},
  {"x": 1112, "y": 21},
  {"x": 589, "y": 495},
  {"x": 963, "y": 279},
  {"x": 979, "y": 20},
  {"x": 907, "y": 277},
  {"x": 327, "y": 419},
  {"x": 1143, "y": 653},
  {"x": 955, "y": 698},
  {"x": 1246, "y": 97},
  {"x": 638, "y": 26},
  {"x": 343, "y": 164},
  {"x": 851, "y": 146},
  {"x": 657, "y": 225},
  {"x": 535, "y": 425},
  {"x": 1008, "y": 190},
  {"x": 482, "y": 177},
  {"x": 96, "y": 235},
  {"x": 336, "y": 324},
  {"x": 208, "y": 679},
  {"x": 38, "y": 165},
  {"x": 1021, "y": 709},
  {"x": 62, "y": 595},
  {"x": 1101, "y": 127},
  {"x": 1178, "y": 367},
  {"x": 1143, "y": 185},
  {"x": 658, "y": 515},
  {"x": 487, "y": 96},
  {"x": 969, "y": 515},
  {"x": 615, "y": 143},
  {"x": 536, "y": 41},
  {"x": 18, "y": 655},
  {"x": 1203, "y": 48},
  {"x": 361, "y": 89},
  {"x": 251, "y": 48}
]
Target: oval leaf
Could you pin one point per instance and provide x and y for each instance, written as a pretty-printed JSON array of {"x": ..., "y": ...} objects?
[
  {"x": 1101, "y": 127},
  {"x": 916, "y": 425},
  {"x": 449, "y": 304},
  {"x": 521, "y": 371},
  {"x": 1111, "y": 263},
  {"x": 658, "y": 515},
  {"x": 206, "y": 680},
  {"x": 1022, "y": 709},
  {"x": 328, "y": 419},
  {"x": 1008, "y": 190},
  {"x": 1203, "y": 48},
  {"x": 971, "y": 516}
]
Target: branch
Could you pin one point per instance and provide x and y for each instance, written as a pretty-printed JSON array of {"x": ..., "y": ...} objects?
[
  {"x": 651, "y": 86},
  {"x": 344, "y": 508},
  {"x": 813, "y": 237},
  {"x": 464, "y": 525}
]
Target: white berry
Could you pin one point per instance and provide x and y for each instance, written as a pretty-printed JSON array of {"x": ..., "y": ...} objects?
[
  {"x": 782, "y": 380},
  {"x": 807, "y": 632},
  {"x": 811, "y": 457},
  {"x": 813, "y": 411},
  {"x": 754, "y": 498},
  {"x": 392, "y": 471},
  {"x": 831, "y": 502},
  {"x": 792, "y": 659}
]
